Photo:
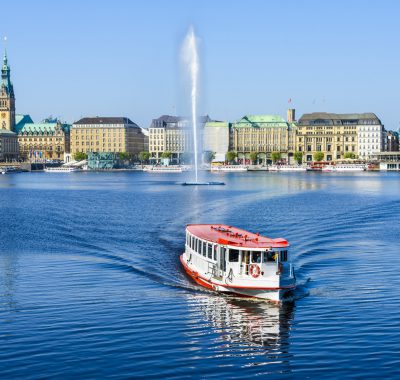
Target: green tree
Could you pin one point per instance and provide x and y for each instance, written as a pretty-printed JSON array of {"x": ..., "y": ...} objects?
[
  {"x": 144, "y": 156},
  {"x": 166, "y": 155},
  {"x": 123, "y": 156},
  {"x": 275, "y": 156},
  {"x": 298, "y": 157},
  {"x": 208, "y": 156},
  {"x": 350, "y": 155},
  {"x": 79, "y": 156},
  {"x": 230, "y": 156},
  {"x": 254, "y": 157},
  {"x": 318, "y": 156}
]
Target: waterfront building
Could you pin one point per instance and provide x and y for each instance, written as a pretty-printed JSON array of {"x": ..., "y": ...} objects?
[
  {"x": 337, "y": 134},
  {"x": 216, "y": 139},
  {"x": 108, "y": 135},
  {"x": 8, "y": 145},
  {"x": 47, "y": 140},
  {"x": 262, "y": 134},
  {"x": 173, "y": 134},
  {"x": 371, "y": 135},
  {"x": 388, "y": 160},
  {"x": 8, "y": 138},
  {"x": 392, "y": 141},
  {"x": 102, "y": 160}
]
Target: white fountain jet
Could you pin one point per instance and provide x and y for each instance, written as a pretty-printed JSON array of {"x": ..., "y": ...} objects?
[{"x": 191, "y": 59}]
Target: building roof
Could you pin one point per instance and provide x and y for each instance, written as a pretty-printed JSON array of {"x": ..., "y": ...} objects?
[
  {"x": 7, "y": 132},
  {"x": 165, "y": 120},
  {"x": 105, "y": 120},
  {"x": 232, "y": 236},
  {"x": 261, "y": 121},
  {"x": 41, "y": 128},
  {"x": 20, "y": 120},
  {"x": 337, "y": 118}
]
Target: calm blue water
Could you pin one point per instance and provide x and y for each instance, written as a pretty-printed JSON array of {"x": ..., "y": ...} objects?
[{"x": 91, "y": 284}]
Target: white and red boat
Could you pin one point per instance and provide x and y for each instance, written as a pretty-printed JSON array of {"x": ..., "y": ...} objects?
[{"x": 232, "y": 260}]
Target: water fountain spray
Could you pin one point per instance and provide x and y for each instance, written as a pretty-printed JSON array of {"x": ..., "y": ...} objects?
[{"x": 191, "y": 59}]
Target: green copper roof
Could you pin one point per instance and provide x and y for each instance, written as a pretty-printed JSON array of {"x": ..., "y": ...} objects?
[
  {"x": 41, "y": 128},
  {"x": 224, "y": 124},
  {"x": 20, "y": 120},
  {"x": 261, "y": 121}
]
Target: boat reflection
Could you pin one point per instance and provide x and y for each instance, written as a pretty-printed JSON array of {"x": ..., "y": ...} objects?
[{"x": 241, "y": 321}]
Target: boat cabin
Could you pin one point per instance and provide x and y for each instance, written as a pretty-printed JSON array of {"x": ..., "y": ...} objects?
[{"x": 227, "y": 251}]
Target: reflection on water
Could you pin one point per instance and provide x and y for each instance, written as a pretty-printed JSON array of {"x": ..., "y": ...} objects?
[
  {"x": 246, "y": 327},
  {"x": 8, "y": 279}
]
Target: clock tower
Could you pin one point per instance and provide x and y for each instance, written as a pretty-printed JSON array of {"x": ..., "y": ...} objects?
[{"x": 7, "y": 99}]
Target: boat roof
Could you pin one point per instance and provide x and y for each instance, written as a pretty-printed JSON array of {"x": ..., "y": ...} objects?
[{"x": 228, "y": 235}]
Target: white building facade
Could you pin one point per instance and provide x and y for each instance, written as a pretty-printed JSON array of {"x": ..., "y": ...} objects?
[
  {"x": 216, "y": 139},
  {"x": 371, "y": 136},
  {"x": 172, "y": 134}
]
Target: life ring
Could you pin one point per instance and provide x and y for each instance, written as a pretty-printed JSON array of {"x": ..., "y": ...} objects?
[{"x": 254, "y": 270}]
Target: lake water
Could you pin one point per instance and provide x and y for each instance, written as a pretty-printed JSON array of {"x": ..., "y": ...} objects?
[{"x": 91, "y": 284}]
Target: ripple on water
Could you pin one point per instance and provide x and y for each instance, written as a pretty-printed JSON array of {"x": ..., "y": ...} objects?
[{"x": 86, "y": 288}]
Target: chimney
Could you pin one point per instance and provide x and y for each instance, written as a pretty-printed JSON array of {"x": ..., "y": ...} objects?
[{"x": 291, "y": 117}]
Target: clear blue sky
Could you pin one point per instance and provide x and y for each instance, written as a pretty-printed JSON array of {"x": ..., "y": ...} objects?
[{"x": 121, "y": 58}]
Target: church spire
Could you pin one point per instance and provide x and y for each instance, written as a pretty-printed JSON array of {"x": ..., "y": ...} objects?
[{"x": 5, "y": 76}]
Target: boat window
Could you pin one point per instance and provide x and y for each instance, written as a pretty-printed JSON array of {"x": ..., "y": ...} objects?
[
  {"x": 283, "y": 256},
  {"x": 204, "y": 248},
  {"x": 197, "y": 245},
  {"x": 256, "y": 257},
  {"x": 270, "y": 256},
  {"x": 233, "y": 255},
  {"x": 214, "y": 248},
  {"x": 209, "y": 251},
  {"x": 222, "y": 264}
]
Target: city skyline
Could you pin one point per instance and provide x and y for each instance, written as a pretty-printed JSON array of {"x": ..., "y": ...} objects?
[{"x": 80, "y": 60}]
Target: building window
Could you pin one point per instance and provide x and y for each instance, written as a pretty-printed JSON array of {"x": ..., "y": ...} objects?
[{"x": 308, "y": 148}]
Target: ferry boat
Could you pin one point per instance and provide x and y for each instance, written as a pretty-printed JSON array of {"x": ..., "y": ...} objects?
[
  {"x": 62, "y": 169},
  {"x": 286, "y": 168},
  {"x": 164, "y": 169},
  {"x": 231, "y": 260},
  {"x": 344, "y": 168},
  {"x": 229, "y": 168},
  {"x": 317, "y": 166},
  {"x": 10, "y": 169}
]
